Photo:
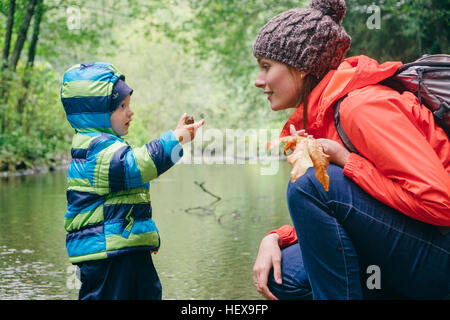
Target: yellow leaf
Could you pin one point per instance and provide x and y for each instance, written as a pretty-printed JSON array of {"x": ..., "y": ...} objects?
[
  {"x": 307, "y": 153},
  {"x": 299, "y": 159},
  {"x": 320, "y": 161}
]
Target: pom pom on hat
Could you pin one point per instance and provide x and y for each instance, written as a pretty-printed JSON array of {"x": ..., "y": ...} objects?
[{"x": 333, "y": 8}]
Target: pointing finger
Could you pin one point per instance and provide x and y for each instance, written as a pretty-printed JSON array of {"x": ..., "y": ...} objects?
[{"x": 198, "y": 124}]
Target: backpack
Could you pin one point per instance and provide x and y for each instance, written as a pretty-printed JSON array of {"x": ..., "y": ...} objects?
[{"x": 428, "y": 78}]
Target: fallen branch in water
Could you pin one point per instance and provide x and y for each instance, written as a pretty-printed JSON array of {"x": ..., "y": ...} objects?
[
  {"x": 205, "y": 210},
  {"x": 208, "y": 192},
  {"x": 211, "y": 208}
]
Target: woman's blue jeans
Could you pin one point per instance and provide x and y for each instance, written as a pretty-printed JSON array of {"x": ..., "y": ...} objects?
[{"x": 351, "y": 246}]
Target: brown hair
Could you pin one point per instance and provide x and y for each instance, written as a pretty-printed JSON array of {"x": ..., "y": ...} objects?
[{"x": 309, "y": 83}]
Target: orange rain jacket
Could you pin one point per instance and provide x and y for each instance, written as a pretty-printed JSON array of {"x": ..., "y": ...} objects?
[{"x": 405, "y": 160}]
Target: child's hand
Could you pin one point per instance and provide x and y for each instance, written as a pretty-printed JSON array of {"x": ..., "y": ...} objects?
[{"x": 186, "y": 132}]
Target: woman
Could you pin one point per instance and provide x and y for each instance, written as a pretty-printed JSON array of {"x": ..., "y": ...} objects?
[{"x": 375, "y": 233}]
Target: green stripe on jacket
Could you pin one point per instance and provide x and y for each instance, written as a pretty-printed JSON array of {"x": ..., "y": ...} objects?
[{"x": 86, "y": 88}]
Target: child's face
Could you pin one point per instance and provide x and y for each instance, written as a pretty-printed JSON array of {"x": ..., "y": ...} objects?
[{"x": 121, "y": 117}]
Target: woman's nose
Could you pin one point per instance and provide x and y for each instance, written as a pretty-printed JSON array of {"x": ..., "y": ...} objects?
[{"x": 259, "y": 83}]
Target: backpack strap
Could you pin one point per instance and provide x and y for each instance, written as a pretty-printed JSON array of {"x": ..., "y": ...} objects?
[{"x": 337, "y": 121}]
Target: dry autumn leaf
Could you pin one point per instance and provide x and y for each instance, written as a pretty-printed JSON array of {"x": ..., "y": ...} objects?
[
  {"x": 320, "y": 161},
  {"x": 307, "y": 152}
]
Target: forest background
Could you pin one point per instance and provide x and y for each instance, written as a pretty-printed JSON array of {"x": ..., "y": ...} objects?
[{"x": 179, "y": 56}]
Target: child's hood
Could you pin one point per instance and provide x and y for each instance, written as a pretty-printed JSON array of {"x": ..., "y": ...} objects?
[{"x": 86, "y": 95}]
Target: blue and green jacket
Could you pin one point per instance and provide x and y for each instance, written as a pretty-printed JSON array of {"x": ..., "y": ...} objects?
[{"x": 109, "y": 210}]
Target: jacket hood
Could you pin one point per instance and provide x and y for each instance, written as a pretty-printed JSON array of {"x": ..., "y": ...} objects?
[
  {"x": 86, "y": 95},
  {"x": 353, "y": 73}
]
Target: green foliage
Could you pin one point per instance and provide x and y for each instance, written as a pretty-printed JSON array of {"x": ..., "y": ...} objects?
[
  {"x": 408, "y": 29},
  {"x": 38, "y": 134},
  {"x": 33, "y": 127},
  {"x": 63, "y": 43}
]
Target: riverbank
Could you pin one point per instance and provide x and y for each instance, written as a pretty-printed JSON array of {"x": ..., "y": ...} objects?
[
  {"x": 64, "y": 160},
  {"x": 35, "y": 170},
  {"x": 61, "y": 162}
]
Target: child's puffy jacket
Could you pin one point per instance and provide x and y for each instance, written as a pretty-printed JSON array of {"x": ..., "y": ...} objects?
[
  {"x": 405, "y": 160},
  {"x": 109, "y": 210}
]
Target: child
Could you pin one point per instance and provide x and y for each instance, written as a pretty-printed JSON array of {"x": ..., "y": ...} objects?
[{"x": 109, "y": 217}]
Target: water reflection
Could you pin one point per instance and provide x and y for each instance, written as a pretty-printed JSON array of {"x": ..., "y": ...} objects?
[
  {"x": 206, "y": 253},
  {"x": 24, "y": 280}
]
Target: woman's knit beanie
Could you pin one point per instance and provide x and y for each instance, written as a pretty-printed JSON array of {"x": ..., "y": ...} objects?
[{"x": 310, "y": 40}]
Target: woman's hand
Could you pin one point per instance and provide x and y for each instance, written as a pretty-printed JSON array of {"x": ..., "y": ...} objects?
[
  {"x": 269, "y": 256},
  {"x": 186, "y": 132},
  {"x": 338, "y": 153},
  {"x": 294, "y": 131}
]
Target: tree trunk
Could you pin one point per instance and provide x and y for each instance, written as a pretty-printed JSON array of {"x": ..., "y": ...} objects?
[
  {"x": 30, "y": 62},
  {"x": 35, "y": 37},
  {"x": 9, "y": 28},
  {"x": 4, "y": 64},
  {"x": 440, "y": 24},
  {"x": 22, "y": 35}
]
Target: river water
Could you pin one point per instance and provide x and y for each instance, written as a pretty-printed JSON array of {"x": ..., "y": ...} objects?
[{"x": 207, "y": 249}]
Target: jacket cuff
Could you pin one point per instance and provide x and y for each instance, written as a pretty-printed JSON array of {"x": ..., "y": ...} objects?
[
  {"x": 171, "y": 146},
  {"x": 353, "y": 165},
  {"x": 287, "y": 236}
]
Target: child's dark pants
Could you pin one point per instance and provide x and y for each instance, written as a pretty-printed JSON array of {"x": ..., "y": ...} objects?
[{"x": 131, "y": 276}]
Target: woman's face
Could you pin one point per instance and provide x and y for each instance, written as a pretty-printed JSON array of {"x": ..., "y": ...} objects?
[{"x": 281, "y": 85}]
